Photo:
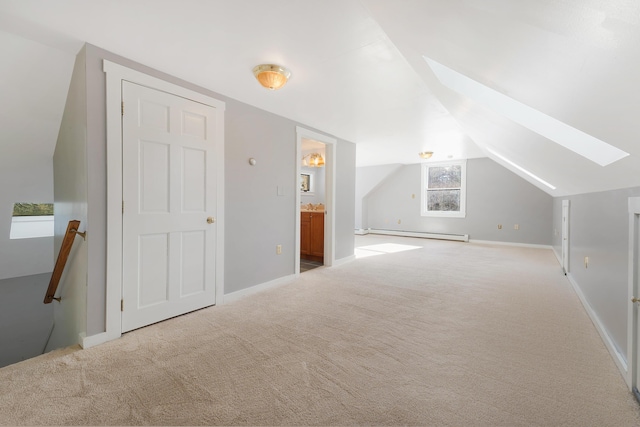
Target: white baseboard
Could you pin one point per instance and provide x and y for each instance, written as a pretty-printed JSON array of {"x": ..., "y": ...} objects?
[
  {"x": 617, "y": 357},
  {"x": 234, "y": 296},
  {"x": 94, "y": 340},
  {"x": 421, "y": 234},
  {"x": 361, "y": 232},
  {"x": 558, "y": 256},
  {"x": 520, "y": 245},
  {"x": 344, "y": 260}
]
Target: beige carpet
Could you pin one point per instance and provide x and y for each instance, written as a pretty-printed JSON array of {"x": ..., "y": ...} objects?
[{"x": 445, "y": 334}]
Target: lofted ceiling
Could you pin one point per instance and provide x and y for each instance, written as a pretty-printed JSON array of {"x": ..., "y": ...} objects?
[{"x": 360, "y": 72}]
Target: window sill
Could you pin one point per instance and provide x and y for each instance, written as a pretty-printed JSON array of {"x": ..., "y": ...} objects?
[
  {"x": 31, "y": 227},
  {"x": 444, "y": 214}
]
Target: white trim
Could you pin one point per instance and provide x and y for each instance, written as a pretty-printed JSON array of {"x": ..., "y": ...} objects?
[
  {"x": 421, "y": 234},
  {"x": 115, "y": 74},
  {"x": 114, "y": 79},
  {"x": 124, "y": 73},
  {"x": 617, "y": 357},
  {"x": 565, "y": 236},
  {"x": 519, "y": 245},
  {"x": 330, "y": 194},
  {"x": 93, "y": 340},
  {"x": 272, "y": 284},
  {"x": 632, "y": 291},
  {"x": 455, "y": 237},
  {"x": 558, "y": 256},
  {"x": 31, "y": 227},
  {"x": 345, "y": 260}
]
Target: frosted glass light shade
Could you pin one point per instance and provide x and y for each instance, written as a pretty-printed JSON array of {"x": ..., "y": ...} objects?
[
  {"x": 315, "y": 160},
  {"x": 271, "y": 76}
]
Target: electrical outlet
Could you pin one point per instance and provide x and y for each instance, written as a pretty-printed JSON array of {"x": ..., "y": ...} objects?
[
  {"x": 586, "y": 262},
  {"x": 399, "y": 221},
  {"x": 516, "y": 226},
  {"x": 278, "y": 249},
  {"x": 499, "y": 226}
]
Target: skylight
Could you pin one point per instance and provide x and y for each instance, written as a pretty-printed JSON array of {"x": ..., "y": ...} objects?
[
  {"x": 569, "y": 137},
  {"x": 521, "y": 169}
]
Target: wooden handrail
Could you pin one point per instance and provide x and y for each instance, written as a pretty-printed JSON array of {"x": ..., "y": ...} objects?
[{"x": 65, "y": 249}]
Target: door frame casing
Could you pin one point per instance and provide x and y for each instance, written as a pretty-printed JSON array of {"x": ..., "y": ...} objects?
[
  {"x": 330, "y": 194},
  {"x": 115, "y": 74},
  {"x": 633, "y": 290},
  {"x": 564, "y": 247}
]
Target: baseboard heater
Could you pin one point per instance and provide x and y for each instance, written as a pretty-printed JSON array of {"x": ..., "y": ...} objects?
[{"x": 421, "y": 234}]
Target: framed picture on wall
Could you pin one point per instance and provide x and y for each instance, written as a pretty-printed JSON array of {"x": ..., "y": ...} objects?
[{"x": 305, "y": 182}]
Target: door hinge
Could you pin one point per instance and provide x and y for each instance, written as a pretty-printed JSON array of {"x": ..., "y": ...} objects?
[
  {"x": 122, "y": 108},
  {"x": 122, "y": 305}
]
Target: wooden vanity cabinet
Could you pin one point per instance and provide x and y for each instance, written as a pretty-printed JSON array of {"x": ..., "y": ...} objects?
[{"x": 312, "y": 236}]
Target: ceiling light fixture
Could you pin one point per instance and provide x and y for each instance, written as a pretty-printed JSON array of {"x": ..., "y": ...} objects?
[
  {"x": 271, "y": 76},
  {"x": 426, "y": 154},
  {"x": 315, "y": 160}
]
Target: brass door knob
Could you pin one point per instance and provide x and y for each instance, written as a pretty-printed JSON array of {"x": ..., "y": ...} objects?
[
  {"x": 210, "y": 220},
  {"x": 634, "y": 299}
]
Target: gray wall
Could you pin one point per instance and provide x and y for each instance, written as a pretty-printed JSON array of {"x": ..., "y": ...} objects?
[
  {"x": 24, "y": 181},
  {"x": 96, "y": 191},
  {"x": 495, "y": 196},
  {"x": 345, "y": 199},
  {"x": 599, "y": 229},
  {"x": 26, "y": 321},
  {"x": 257, "y": 219},
  {"x": 70, "y": 203},
  {"x": 368, "y": 178}
]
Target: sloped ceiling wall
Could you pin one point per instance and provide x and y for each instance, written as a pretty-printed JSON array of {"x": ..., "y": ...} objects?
[
  {"x": 34, "y": 83},
  {"x": 359, "y": 71},
  {"x": 575, "y": 61}
]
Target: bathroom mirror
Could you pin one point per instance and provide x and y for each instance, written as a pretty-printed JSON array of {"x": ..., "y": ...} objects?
[{"x": 307, "y": 183}]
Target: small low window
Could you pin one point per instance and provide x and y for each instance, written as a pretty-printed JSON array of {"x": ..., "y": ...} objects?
[
  {"x": 31, "y": 220},
  {"x": 444, "y": 189}
]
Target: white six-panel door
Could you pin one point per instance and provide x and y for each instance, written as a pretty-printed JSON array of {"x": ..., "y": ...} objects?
[{"x": 169, "y": 196}]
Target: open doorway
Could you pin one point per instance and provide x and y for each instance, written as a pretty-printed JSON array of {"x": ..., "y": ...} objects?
[
  {"x": 633, "y": 315},
  {"x": 315, "y": 197},
  {"x": 312, "y": 204}
]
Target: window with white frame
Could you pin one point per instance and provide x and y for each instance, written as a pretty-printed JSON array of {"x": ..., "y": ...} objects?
[
  {"x": 444, "y": 189},
  {"x": 31, "y": 220}
]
